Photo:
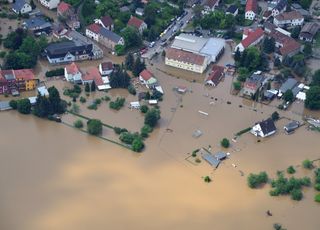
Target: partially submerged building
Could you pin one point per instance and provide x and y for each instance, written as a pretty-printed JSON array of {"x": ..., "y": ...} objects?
[
  {"x": 264, "y": 128},
  {"x": 291, "y": 126},
  {"x": 215, "y": 76}
]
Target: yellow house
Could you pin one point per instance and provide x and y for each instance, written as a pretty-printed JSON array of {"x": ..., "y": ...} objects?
[{"x": 26, "y": 79}]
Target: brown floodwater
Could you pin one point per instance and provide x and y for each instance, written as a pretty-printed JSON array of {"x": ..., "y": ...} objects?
[{"x": 55, "y": 177}]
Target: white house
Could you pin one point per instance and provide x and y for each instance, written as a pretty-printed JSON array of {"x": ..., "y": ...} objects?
[
  {"x": 147, "y": 78},
  {"x": 137, "y": 23},
  {"x": 21, "y": 7},
  {"x": 292, "y": 18},
  {"x": 105, "y": 68},
  {"x": 72, "y": 73},
  {"x": 50, "y": 4},
  {"x": 251, "y": 9},
  {"x": 210, "y": 6},
  {"x": 251, "y": 38},
  {"x": 92, "y": 31},
  {"x": 280, "y": 7},
  {"x": 264, "y": 128}
]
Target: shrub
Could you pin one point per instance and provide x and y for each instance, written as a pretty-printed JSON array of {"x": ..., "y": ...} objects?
[
  {"x": 291, "y": 170},
  {"x": 225, "y": 143},
  {"x": 137, "y": 145},
  {"x": 13, "y": 104},
  {"x": 152, "y": 116},
  {"x": 128, "y": 137},
  {"x": 197, "y": 160},
  {"x": 317, "y": 187},
  {"x": 83, "y": 100},
  {"x": 317, "y": 198},
  {"x": 117, "y": 130},
  {"x": 296, "y": 194},
  {"x": 93, "y": 106},
  {"x": 78, "y": 124},
  {"x": 2, "y": 54},
  {"x": 94, "y": 127},
  {"x": 243, "y": 131},
  {"x": 145, "y": 130},
  {"x": 132, "y": 90},
  {"x": 55, "y": 72},
  {"x": 97, "y": 101},
  {"x": 256, "y": 180},
  {"x": 237, "y": 85},
  {"x": 117, "y": 104},
  {"x": 144, "y": 108},
  {"x": 24, "y": 106},
  {"x": 275, "y": 116},
  {"x": 207, "y": 179},
  {"x": 307, "y": 164}
]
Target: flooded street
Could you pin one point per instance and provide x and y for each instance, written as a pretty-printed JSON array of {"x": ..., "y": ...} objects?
[{"x": 55, "y": 177}]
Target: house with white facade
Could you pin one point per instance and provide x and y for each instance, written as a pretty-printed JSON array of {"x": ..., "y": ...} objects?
[
  {"x": 264, "y": 128},
  {"x": 210, "y": 6},
  {"x": 137, "y": 23},
  {"x": 281, "y": 6},
  {"x": 251, "y": 9},
  {"x": 72, "y": 73},
  {"x": 147, "y": 79},
  {"x": 21, "y": 7},
  {"x": 105, "y": 68},
  {"x": 50, "y": 4},
  {"x": 250, "y": 38},
  {"x": 288, "y": 19}
]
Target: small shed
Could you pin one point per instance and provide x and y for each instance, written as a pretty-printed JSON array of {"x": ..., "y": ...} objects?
[
  {"x": 220, "y": 156},
  {"x": 135, "y": 105},
  {"x": 214, "y": 162},
  {"x": 291, "y": 127},
  {"x": 153, "y": 102},
  {"x": 43, "y": 91}
]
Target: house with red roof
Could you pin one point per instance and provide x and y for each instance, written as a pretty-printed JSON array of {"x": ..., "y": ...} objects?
[
  {"x": 72, "y": 73},
  {"x": 210, "y": 6},
  {"x": 147, "y": 79},
  {"x": 252, "y": 84},
  {"x": 105, "y": 68},
  {"x": 17, "y": 80},
  {"x": 251, "y": 9},
  {"x": 215, "y": 75},
  {"x": 67, "y": 13},
  {"x": 250, "y": 38},
  {"x": 105, "y": 22},
  {"x": 137, "y": 23}
]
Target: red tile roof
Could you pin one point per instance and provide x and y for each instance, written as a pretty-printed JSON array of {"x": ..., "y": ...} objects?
[
  {"x": 212, "y": 3},
  {"x": 95, "y": 28},
  {"x": 289, "y": 16},
  {"x": 216, "y": 74},
  {"x": 24, "y": 74},
  {"x": 184, "y": 56},
  {"x": 146, "y": 75},
  {"x": 107, "y": 21},
  {"x": 289, "y": 47},
  {"x": 252, "y": 5},
  {"x": 72, "y": 68},
  {"x": 252, "y": 37},
  {"x": 135, "y": 22},
  {"x": 107, "y": 65},
  {"x": 63, "y": 7},
  {"x": 92, "y": 74}
]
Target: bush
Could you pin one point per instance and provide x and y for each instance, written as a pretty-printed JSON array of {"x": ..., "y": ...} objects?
[
  {"x": 94, "y": 127},
  {"x": 117, "y": 130},
  {"x": 256, "y": 180},
  {"x": 137, "y": 145},
  {"x": 296, "y": 194},
  {"x": 145, "y": 130},
  {"x": 128, "y": 137},
  {"x": 2, "y": 53},
  {"x": 243, "y": 131},
  {"x": 307, "y": 164},
  {"x": 144, "y": 108},
  {"x": 78, "y": 124},
  {"x": 317, "y": 198},
  {"x": 93, "y": 106},
  {"x": 317, "y": 187},
  {"x": 291, "y": 170},
  {"x": 275, "y": 116},
  {"x": 13, "y": 104},
  {"x": 237, "y": 85},
  {"x": 207, "y": 179},
  {"x": 117, "y": 104},
  {"x": 83, "y": 100},
  {"x": 55, "y": 72},
  {"x": 225, "y": 143},
  {"x": 132, "y": 90}
]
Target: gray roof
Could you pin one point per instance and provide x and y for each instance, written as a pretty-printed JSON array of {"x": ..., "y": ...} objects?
[
  {"x": 213, "y": 47},
  {"x": 267, "y": 126},
  {"x": 281, "y": 5},
  {"x": 5, "y": 105},
  {"x": 220, "y": 155},
  {"x": 232, "y": 9},
  {"x": 296, "y": 6},
  {"x": 211, "y": 160},
  {"x": 110, "y": 35},
  {"x": 295, "y": 91},
  {"x": 189, "y": 43},
  {"x": 18, "y": 5},
  {"x": 255, "y": 78},
  {"x": 292, "y": 126},
  {"x": 289, "y": 84},
  {"x": 36, "y": 23}
]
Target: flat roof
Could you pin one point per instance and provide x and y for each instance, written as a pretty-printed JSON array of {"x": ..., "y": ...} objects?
[
  {"x": 211, "y": 160},
  {"x": 189, "y": 42},
  {"x": 213, "y": 46}
]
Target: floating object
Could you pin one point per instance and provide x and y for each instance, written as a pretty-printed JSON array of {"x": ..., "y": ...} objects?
[
  {"x": 204, "y": 113},
  {"x": 233, "y": 165}
]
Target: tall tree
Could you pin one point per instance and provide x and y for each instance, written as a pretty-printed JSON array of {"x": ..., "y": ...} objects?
[
  {"x": 269, "y": 45},
  {"x": 93, "y": 86},
  {"x": 55, "y": 100},
  {"x": 129, "y": 61},
  {"x": 138, "y": 66},
  {"x": 313, "y": 98},
  {"x": 237, "y": 55},
  {"x": 87, "y": 87}
]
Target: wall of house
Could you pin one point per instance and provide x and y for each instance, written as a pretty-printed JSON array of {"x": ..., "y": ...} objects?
[
  {"x": 186, "y": 66},
  {"x": 250, "y": 15},
  {"x": 92, "y": 35},
  {"x": 50, "y": 4},
  {"x": 67, "y": 58}
]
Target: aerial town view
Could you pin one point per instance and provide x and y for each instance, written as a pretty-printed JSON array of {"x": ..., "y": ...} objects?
[{"x": 159, "y": 114}]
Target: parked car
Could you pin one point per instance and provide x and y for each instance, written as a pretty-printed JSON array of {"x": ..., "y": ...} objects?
[{"x": 152, "y": 44}]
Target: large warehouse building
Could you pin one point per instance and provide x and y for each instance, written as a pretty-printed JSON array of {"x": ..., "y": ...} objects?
[{"x": 209, "y": 48}]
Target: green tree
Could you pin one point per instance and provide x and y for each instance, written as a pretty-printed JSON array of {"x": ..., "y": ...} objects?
[
  {"x": 317, "y": 198},
  {"x": 316, "y": 78},
  {"x": 277, "y": 62},
  {"x": 152, "y": 116},
  {"x": 119, "y": 78},
  {"x": 120, "y": 49},
  {"x": 144, "y": 108},
  {"x": 269, "y": 45},
  {"x": 296, "y": 194},
  {"x": 138, "y": 66},
  {"x": 14, "y": 39},
  {"x": 55, "y": 101},
  {"x": 237, "y": 85},
  {"x": 13, "y": 104},
  {"x": 93, "y": 86},
  {"x": 94, "y": 127},
  {"x": 295, "y": 32},
  {"x": 307, "y": 164},
  {"x": 256, "y": 180},
  {"x": 275, "y": 116},
  {"x": 129, "y": 61},
  {"x": 225, "y": 143},
  {"x": 42, "y": 108},
  {"x": 237, "y": 55},
  {"x": 207, "y": 179},
  {"x": 87, "y": 87},
  {"x": 131, "y": 37},
  {"x": 313, "y": 98},
  {"x": 288, "y": 95},
  {"x": 137, "y": 145},
  {"x": 24, "y": 106},
  {"x": 19, "y": 60},
  {"x": 307, "y": 50},
  {"x": 291, "y": 170}
]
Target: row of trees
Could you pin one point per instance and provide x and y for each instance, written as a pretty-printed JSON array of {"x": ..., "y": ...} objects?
[
  {"x": 24, "y": 49},
  {"x": 313, "y": 94},
  {"x": 135, "y": 65}
]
